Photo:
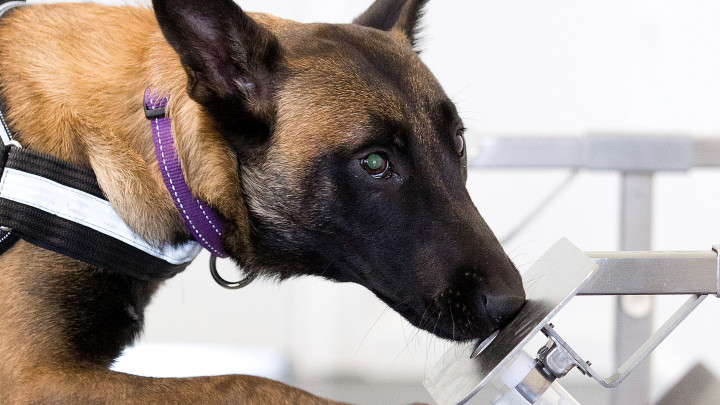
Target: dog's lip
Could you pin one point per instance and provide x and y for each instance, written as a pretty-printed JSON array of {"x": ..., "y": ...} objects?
[
  {"x": 426, "y": 315},
  {"x": 427, "y": 318},
  {"x": 457, "y": 335}
]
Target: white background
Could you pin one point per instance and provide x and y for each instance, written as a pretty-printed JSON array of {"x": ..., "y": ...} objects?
[{"x": 553, "y": 67}]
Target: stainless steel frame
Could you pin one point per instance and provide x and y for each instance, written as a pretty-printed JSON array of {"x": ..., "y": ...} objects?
[{"x": 637, "y": 157}]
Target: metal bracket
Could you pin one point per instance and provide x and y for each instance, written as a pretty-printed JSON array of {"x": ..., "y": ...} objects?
[{"x": 629, "y": 365}]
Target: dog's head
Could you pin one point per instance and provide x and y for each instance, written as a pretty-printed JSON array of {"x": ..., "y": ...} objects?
[{"x": 351, "y": 159}]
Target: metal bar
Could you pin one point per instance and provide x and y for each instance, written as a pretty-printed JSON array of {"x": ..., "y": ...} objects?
[
  {"x": 638, "y": 152},
  {"x": 525, "y": 152},
  {"x": 633, "y": 315},
  {"x": 654, "y": 273},
  {"x": 622, "y": 152},
  {"x": 706, "y": 152},
  {"x": 635, "y": 211}
]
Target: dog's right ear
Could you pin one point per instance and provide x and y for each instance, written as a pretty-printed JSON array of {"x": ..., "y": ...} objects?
[
  {"x": 401, "y": 15},
  {"x": 227, "y": 55}
]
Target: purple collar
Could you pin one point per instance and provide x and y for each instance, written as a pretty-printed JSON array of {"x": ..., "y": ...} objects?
[{"x": 199, "y": 219}]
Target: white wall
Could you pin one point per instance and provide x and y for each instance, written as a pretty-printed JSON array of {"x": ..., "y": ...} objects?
[{"x": 561, "y": 67}]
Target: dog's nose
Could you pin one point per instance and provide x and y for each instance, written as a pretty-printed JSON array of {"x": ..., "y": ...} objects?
[{"x": 501, "y": 308}]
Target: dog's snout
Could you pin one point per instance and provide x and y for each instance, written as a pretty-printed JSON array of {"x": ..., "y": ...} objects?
[
  {"x": 496, "y": 295},
  {"x": 501, "y": 308}
]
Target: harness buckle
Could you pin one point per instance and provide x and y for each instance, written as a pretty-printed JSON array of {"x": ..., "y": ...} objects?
[{"x": 154, "y": 113}]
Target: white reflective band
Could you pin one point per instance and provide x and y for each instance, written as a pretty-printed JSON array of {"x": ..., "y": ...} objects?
[{"x": 85, "y": 209}]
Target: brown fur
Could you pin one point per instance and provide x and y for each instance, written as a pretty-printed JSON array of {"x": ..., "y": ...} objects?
[
  {"x": 91, "y": 128},
  {"x": 38, "y": 365}
]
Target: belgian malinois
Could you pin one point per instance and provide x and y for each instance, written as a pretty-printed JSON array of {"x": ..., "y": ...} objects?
[{"x": 325, "y": 149}]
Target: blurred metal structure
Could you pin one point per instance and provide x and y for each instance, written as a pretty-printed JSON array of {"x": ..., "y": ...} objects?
[
  {"x": 617, "y": 152},
  {"x": 637, "y": 158}
]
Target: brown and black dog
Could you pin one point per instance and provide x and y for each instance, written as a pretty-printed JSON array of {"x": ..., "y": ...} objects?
[{"x": 274, "y": 122}]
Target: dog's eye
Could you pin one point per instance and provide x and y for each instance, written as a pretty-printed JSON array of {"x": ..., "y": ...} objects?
[
  {"x": 460, "y": 141},
  {"x": 377, "y": 165}
]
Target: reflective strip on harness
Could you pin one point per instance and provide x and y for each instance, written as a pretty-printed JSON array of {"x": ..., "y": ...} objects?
[
  {"x": 84, "y": 209},
  {"x": 60, "y": 207}
]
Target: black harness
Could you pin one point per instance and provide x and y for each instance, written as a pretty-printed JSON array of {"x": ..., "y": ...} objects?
[{"x": 47, "y": 229}]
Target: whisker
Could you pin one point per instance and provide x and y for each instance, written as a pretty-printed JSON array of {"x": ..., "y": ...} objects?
[
  {"x": 474, "y": 82},
  {"x": 452, "y": 318},
  {"x": 368, "y": 332},
  {"x": 413, "y": 336},
  {"x": 526, "y": 264},
  {"x": 437, "y": 322},
  {"x": 519, "y": 245}
]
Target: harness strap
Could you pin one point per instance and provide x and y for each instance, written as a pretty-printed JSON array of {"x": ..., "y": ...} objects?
[{"x": 60, "y": 207}]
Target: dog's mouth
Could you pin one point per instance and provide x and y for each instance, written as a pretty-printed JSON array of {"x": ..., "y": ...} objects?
[{"x": 447, "y": 317}]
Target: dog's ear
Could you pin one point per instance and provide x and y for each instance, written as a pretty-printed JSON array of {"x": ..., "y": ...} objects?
[
  {"x": 227, "y": 55},
  {"x": 386, "y": 15}
]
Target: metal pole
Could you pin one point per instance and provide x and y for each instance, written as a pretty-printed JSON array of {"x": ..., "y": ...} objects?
[
  {"x": 654, "y": 273},
  {"x": 633, "y": 323}
]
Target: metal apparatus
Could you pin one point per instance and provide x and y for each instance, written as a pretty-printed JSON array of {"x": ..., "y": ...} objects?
[
  {"x": 636, "y": 158},
  {"x": 498, "y": 371}
]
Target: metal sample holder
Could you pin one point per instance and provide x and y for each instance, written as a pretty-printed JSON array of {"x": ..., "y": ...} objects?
[
  {"x": 497, "y": 371},
  {"x": 637, "y": 158}
]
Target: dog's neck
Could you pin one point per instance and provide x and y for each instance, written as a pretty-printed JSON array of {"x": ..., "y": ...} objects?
[{"x": 97, "y": 119}]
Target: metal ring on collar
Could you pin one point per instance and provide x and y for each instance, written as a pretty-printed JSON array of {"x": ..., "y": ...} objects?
[{"x": 228, "y": 284}]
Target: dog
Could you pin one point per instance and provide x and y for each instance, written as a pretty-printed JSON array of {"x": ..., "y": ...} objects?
[{"x": 324, "y": 149}]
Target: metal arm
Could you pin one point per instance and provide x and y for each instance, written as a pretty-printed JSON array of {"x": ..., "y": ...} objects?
[
  {"x": 655, "y": 273},
  {"x": 629, "y": 365}
]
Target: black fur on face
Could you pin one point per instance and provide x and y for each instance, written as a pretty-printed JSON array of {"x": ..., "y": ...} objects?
[
  {"x": 412, "y": 236},
  {"x": 339, "y": 95},
  {"x": 414, "y": 239}
]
